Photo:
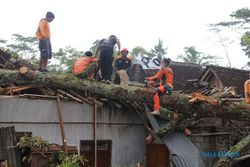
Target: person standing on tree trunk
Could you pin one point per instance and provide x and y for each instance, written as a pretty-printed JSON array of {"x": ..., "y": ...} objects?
[
  {"x": 165, "y": 74},
  {"x": 43, "y": 35},
  {"x": 106, "y": 49},
  {"x": 122, "y": 63}
]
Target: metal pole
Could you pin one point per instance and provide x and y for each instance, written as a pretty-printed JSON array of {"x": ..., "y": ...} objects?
[
  {"x": 60, "y": 114},
  {"x": 95, "y": 140}
]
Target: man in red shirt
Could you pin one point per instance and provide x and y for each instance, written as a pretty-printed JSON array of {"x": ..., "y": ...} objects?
[
  {"x": 165, "y": 75},
  {"x": 85, "y": 66}
]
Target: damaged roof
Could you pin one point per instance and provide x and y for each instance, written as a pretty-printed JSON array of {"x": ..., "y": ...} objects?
[{"x": 229, "y": 77}]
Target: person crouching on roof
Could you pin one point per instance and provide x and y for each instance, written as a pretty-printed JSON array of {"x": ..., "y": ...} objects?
[
  {"x": 122, "y": 63},
  {"x": 85, "y": 66},
  {"x": 165, "y": 75}
]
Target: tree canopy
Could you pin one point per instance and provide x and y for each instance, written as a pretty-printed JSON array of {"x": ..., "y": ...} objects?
[
  {"x": 193, "y": 56},
  {"x": 240, "y": 24}
]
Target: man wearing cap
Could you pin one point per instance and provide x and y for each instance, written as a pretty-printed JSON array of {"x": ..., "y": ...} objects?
[
  {"x": 106, "y": 49},
  {"x": 85, "y": 66},
  {"x": 122, "y": 63},
  {"x": 43, "y": 35}
]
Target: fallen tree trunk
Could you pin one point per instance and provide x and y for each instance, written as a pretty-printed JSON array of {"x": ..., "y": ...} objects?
[
  {"x": 228, "y": 158},
  {"x": 175, "y": 102}
]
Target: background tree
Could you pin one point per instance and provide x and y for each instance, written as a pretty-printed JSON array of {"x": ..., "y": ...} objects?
[
  {"x": 22, "y": 47},
  {"x": 138, "y": 51},
  {"x": 193, "y": 56},
  {"x": 25, "y": 47},
  {"x": 224, "y": 41},
  {"x": 94, "y": 45},
  {"x": 239, "y": 24},
  {"x": 159, "y": 51},
  {"x": 64, "y": 58}
]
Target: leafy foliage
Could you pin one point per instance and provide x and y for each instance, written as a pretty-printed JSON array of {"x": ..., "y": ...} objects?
[
  {"x": 35, "y": 141},
  {"x": 27, "y": 142},
  {"x": 193, "y": 56},
  {"x": 159, "y": 51},
  {"x": 64, "y": 58},
  {"x": 26, "y": 47},
  {"x": 241, "y": 20},
  {"x": 94, "y": 45},
  {"x": 61, "y": 159},
  {"x": 138, "y": 51}
]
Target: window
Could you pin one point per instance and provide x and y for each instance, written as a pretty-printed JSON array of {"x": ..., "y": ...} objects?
[{"x": 104, "y": 148}]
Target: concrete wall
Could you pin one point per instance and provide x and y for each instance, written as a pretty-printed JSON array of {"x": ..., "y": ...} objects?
[{"x": 40, "y": 117}]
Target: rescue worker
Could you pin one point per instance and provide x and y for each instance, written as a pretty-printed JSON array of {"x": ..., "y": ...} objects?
[
  {"x": 106, "y": 49},
  {"x": 165, "y": 75},
  {"x": 43, "y": 35},
  {"x": 122, "y": 63},
  {"x": 85, "y": 66}
]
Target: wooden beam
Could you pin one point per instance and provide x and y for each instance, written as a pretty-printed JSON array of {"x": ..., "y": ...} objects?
[
  {"x": 95, "y": 125},
  {"x": 34, "y": 96},
  {"x": 60, "y": 114},
  {"x": 70, "y": 96}
]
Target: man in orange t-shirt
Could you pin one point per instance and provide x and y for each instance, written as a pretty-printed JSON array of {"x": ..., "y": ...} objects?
[
  {"x": 85, "y": 66},
  {"x": 43, "y": 35},
  {"x": 165, "y": 74}
]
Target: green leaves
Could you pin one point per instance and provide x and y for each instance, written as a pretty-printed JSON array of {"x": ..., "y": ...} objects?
[
  {"x": 61, "y": 159},
  {"x": 193, "y": 56},
  {"x": 64, "y": 58},
  {"x": 35, "y": 142}
]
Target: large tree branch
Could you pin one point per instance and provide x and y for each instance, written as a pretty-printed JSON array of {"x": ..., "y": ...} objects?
[
  {"x": 228, "y": 159},
  {"x": 175, "y": 102}
]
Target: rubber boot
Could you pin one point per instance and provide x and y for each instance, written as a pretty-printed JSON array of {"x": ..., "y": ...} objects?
[{"x": 156, "y": 105}]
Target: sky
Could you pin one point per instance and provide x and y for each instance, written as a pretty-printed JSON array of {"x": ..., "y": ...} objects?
[{"x": 179, "y": 23}]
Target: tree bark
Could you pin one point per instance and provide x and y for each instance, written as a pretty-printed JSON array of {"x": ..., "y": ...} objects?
[{"x": 177, "y": 102}]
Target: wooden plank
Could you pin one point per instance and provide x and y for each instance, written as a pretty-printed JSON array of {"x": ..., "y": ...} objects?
[
  {"x": 80, "y": 97},
  {"x": 70, "y": 96},
  {"x": 60, "y": 114},
  {"x": 34, "y": 96},
  {"x": 95, "y": 125},
  {"x": 11, "y": 90}
]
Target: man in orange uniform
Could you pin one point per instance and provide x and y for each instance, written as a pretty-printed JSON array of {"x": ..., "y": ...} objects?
[
  {"x": 43, "y": 35},
  {"x": 85, "y": 66},
  {"x": 165, "y": 74}
]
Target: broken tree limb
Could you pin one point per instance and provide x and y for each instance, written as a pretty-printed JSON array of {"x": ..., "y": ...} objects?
[
  {"x": 233, "y": 153},
  {"x": 175, "y": 102}
]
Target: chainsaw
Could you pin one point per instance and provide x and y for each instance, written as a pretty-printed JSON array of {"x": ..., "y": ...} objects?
[{"x": 149, "y": 84}]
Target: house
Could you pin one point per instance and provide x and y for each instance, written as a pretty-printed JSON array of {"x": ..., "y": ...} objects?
[
  {"x": 220, "y": 77},
  {"x": 120, "y": 133},
  {"x": 217, "y": 78}
]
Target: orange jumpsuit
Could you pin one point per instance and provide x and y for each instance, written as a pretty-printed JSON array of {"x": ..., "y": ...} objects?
[{"x": 166, "y": 84}]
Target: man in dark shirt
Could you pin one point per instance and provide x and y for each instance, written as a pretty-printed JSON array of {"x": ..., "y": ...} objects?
[
  {"x": 106, "y": 49},
  {"x": 122, "y": 63}
]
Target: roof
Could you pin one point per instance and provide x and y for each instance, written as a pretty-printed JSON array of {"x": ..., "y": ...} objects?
[
  {"x": 228, "y": 76},
  {"x": 182, "y": 73}
]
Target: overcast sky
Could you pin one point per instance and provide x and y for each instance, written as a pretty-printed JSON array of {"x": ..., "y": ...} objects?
[{"x": 78, "y": 23}]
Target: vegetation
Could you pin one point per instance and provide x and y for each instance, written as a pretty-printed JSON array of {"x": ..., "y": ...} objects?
[
  {"x": 158, "y": 51},
  {"x": 239, "y": 24},
  {"x": 41, "y": 145},
  {"x": 27, "y": 142},
  {"x": 62, "y": 160},
  {"x": 193, "y": 56}
]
